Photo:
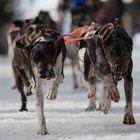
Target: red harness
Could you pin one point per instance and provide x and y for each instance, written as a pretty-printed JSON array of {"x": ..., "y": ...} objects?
[
  {"x": 102, "y": 33},
  {"x": 34, "y": 38}
]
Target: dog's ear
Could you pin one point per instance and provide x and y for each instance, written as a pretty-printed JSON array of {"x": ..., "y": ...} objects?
[
  {"x": 119, "y": 32},
  {"x": 22, "y": 45},
  {"x": 19, "y": 23},
  {"x": 130, "y": 43}
]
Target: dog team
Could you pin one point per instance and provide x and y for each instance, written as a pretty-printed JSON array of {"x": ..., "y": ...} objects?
[{"x": 39, "y": 52}]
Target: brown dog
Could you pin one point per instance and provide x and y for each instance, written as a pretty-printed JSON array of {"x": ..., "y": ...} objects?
[
  {"x": 40, "y": 58},
  {"x": 109, "y": 58},
  {"x": 28, "y": 28}
]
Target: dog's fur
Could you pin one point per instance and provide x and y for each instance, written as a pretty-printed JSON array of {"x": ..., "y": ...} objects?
[
  {"x": 43, "y": 58},
  {"x": 14, "y": 30},
  {"x": 29, "y": 27},
  {"x": 110, "y": 62}
]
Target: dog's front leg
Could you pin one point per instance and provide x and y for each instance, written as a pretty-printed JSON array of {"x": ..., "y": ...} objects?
[
  {"x": 92, "y": 90},
  {"x": 105, "y": 102},
  {"x": 111, "y": 93},
  {"x": 52, "y": 92},
  {"x": 128, "y": 85},
  {"x": 111, "y": 88},
  {"x": 91, "y": 95},
  {"x": 40, "y": 107}
]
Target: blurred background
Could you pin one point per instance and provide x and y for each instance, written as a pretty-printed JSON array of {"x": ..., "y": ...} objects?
[
  {"x": 69, "y": 14},
  {"x": 66, "y": 118}
]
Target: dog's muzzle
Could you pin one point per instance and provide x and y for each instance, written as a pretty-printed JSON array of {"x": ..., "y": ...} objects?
[
  {"x": 118, "y": 73},
  {"x": 118, "y": 76},
  {"x": 46, "y": 74}
]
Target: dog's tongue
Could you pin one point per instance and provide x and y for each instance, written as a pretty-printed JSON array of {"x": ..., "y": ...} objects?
[
  {"x": 50, "y": 75},
  {"x": 118, "y": 76}
]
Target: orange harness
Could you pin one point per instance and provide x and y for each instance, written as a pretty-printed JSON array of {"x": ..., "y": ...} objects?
[
  {"x": 81, "y": 31},
  {"x": 101, "y": 34}
]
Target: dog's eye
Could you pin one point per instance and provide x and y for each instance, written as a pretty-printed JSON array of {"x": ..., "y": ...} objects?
[
  {"x": 46, "y": 56},
  {"x": 35, "y": 58},
  {"x": 125, "y": 53},
  {"x": 111, "y": 52}
]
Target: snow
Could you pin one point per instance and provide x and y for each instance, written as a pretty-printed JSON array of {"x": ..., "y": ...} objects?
[
  {"x": 30, "y": 8},
  {"x": 65, "y": 116}
]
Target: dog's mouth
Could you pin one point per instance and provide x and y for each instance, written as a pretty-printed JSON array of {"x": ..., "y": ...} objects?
[
  {"x": 118, "y": 76},
  {"x": 49, "y": 77}
]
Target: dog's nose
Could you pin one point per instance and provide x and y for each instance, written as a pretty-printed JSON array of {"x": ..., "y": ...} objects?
[
  {"x": 42, "y": 73},
  {"x": 41, "y": 69},
  {"x": 117, "y": 67}
]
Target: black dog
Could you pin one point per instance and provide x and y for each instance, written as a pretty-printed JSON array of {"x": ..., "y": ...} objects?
[
  {"x": 42, "y": 58},
  {"x": 109, "y": 58},
  {"x": 28, "y": 28}
]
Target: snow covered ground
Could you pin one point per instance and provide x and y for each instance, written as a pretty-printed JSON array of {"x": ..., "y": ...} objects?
[{"x": 65, "y": 116}]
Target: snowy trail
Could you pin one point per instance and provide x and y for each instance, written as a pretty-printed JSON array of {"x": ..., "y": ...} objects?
[{"x": 66, "y": 118}]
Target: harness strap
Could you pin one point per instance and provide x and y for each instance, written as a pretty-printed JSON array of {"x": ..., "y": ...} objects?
[
  {"x": 90, "y": 57},
  {"x": 103, "y": 36}
]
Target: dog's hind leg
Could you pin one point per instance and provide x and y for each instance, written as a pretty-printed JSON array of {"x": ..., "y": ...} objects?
[
  {"x": 73, "y": 65},
  {"x": 27, "y": 81},
  {"x": 14, "y": 75},
  {"x": 19, "y": 85},
  {"x": 52, "y": 93},
  {"x": 40, "y": 107},
  {"x": 128, "y": 85}
]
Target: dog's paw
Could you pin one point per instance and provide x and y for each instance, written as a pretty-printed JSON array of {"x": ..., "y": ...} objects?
[
  {"x": 27, "y": 90},
  {"x": 113, "y": 93},
  {"x": 51, "y": 95},
  {"x": 91, "y": 108},
  {"x": 23, "y": 109},
  {"x": 106, "y": 109},
  {"x": 13, "y": 86},
  {"x": 43, "y": 131},
  {"x": 92, "y": 104},
  {"x": 29, "y": 93},
  {"x": 128, "y": 119},
  {"x": 106, "y": 106},
  {"x": 75, "y": 86},
  {"x": 91, "y": 95}
]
